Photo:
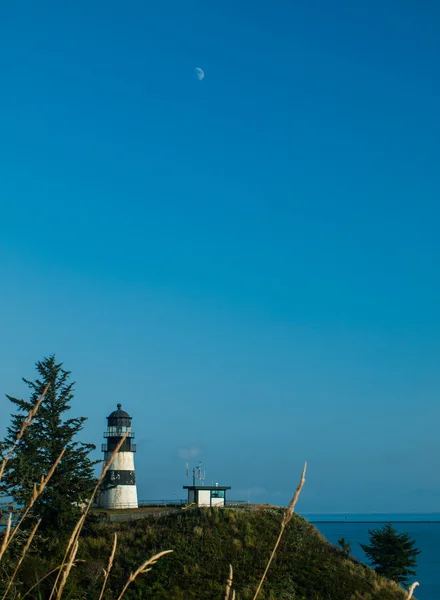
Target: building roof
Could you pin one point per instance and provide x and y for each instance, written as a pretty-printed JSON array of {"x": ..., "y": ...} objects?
[
  {"x": 206, "y": 487},
  {"x": 119, "y": 413}
]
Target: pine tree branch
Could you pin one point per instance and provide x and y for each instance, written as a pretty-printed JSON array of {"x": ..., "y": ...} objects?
[
  {"x": 36, "y": 493},
  {"x": 23, "y": 554},
  {"x": 28, "y": 420},
  {"x": 40, "y": 446}
]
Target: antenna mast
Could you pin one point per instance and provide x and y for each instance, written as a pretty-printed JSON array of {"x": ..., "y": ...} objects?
[{"x": 198, "y": 474}]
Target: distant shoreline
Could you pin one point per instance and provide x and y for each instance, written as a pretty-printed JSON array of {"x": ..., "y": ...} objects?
[
  {"x": 371, "y": 521},
  {"x": 372, "y": 517}
]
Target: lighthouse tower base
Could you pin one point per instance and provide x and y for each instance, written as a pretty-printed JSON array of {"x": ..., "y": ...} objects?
[
  {"x": 120, "y": 482},
  {"x": 122, "y": 496}
]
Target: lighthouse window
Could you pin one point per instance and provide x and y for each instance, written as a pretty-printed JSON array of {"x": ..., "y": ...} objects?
[
  {"x": 217, "y": 493},
  {"x": 117, "y": 430}
]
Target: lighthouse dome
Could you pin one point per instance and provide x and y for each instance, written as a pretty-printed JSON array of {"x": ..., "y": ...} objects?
[
  {"x": 119, "y": 413},
  {"x": 119, "y": 417}
]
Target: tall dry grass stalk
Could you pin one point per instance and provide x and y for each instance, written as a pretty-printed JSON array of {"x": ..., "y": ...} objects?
[
  {"x": 66, "y": 558},
  {"x": 229, "y": 585},
  {"x": 411, "y": 590},
  {"x": 8, "y": 537},
  {"x": 109, "y": 566},
  {"x": 23, "y": 554},
  {"x": 5, "y": 540},
  {"x": 142, "y": 569},
  {"x": 72, "y": 543},
  {"x": 288, "y": 513},
  {"x": 46, "y": 576},
  {"x": 67, "y": 569},
  {"x": 36, "y": 493},
  {"x": 27, "y": 421}
]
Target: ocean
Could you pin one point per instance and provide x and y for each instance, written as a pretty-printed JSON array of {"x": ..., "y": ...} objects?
[{"x": 423, "y": 528}]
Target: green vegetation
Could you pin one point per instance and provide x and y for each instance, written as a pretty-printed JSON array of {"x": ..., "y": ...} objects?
[
  {"x": 205, "y": 542},
  {"x": 56, "y": 549},
  {"x": 131, "y": 511},
  {"x": 345, "y": 545},
  {"x": 392, "y": 554},
  {"x": 39, "y": 447}
]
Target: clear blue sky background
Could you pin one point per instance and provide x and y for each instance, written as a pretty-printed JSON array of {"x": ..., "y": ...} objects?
[{"x": 249, "y": 263}]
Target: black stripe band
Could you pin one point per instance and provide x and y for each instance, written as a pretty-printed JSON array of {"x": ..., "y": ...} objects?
[{"x": 120, "y": 477}]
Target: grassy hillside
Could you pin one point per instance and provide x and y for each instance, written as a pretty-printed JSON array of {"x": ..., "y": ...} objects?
[{"x": 205, "y": 542}]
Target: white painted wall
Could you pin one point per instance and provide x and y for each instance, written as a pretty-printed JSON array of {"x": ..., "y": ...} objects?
[
  {"x": 123, "y": 461},
  {"x": 121, "y": 496},
  {"x": 204, "y": 498},
  {"x": 218, "y": 501}
]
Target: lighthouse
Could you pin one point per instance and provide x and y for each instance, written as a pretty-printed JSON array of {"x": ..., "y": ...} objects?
[{"x": 119, "y": 483}]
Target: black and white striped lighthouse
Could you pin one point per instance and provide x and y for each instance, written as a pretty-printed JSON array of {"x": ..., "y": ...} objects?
[{"x": 120, "y": 482}]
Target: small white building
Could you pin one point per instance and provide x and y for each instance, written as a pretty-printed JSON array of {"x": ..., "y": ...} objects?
[{"x": 207, "y": 495}]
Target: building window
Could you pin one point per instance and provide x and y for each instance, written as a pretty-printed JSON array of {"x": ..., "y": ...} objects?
[{"x": 217, "y": 493}]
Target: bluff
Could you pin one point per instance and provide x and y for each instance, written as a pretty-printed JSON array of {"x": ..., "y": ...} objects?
[{"x": 205, "y": 542}]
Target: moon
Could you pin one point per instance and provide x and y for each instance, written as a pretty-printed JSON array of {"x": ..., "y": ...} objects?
[{"x": 200, "y": 73}]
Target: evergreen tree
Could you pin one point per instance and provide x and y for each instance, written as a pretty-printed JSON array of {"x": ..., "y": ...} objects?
[
  {"x": 345, "y": 545},
  {"x": 392, "y": 554},
  {"x": 73, "y": 480}
]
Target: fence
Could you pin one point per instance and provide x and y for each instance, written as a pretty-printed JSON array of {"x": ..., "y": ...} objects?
[
  {"x": 153, "y": 503},
  {"x": 169, "y": 506},
  {"x": 135, "y": 516},
  {"x": 176, "y": 504}
]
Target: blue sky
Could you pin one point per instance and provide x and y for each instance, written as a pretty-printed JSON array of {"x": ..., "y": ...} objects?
[{"x": 249, "y": 263}]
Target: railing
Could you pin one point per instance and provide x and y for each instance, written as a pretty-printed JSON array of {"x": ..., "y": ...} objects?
[
  {"x": 229, "y": 503},
  {"x": 178, "y": 503},
  {"x": 117, "y": 434},
  {"x": 135, "y": 516},
  {"x": 153, "y": 503}
]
